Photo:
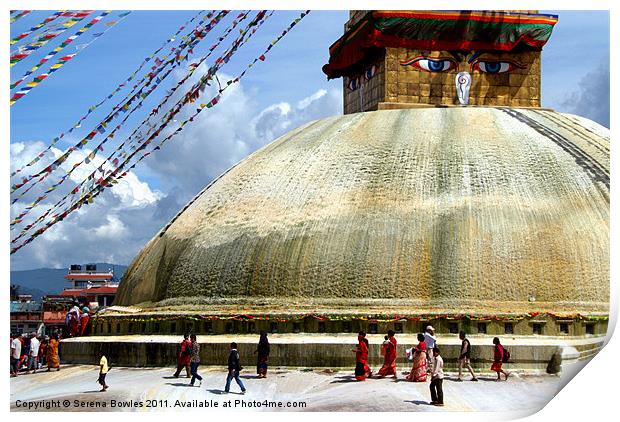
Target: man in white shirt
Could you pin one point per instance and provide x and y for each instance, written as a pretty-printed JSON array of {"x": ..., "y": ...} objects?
[
  {"x": 34, "y": 353},
  {"x": 16, "y": 351},
  {"x": 437, "y": 379},
  {"x": 431, "y": 342}
]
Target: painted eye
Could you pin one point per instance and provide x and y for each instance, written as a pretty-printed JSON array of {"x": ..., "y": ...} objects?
[
  {"x": 370, "y": 72},
  {"x": 430, "y": 65},
  {"x": 487, "y": 66},
  {"x": 354, "y": 83}
]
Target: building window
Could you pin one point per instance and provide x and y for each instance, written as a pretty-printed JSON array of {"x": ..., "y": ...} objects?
[
  {"x": 273, "y": 327},
  {"x": 189, "y": 328},
  {"x": 209, "y": 327},
  {"x": 537, "y": 328},
  {"x": 482, "y": 328},
  {"x": 156, "y": 328},
  {"x": 321, "y": 326},
  {"x": 509, "y": 328},
  {"x": 453, "y": 327},
  {"x": 109, "y": 328},
  {"x": 130, "y": 328},
  {"x": 296, "y": 327},
  {"x": 229, "y": 327},
  {"x": 173, "y": 327},
  {"x": 372, "y": 328},
  {"x": 143, "y": 327},
  {"x": 251, "y": 327},
  {"x": 346, "y": 326},
  {"x": 590, "y": 329},
  {"x": 564, "y": 328},
  {"x": 398, "y": 327}
]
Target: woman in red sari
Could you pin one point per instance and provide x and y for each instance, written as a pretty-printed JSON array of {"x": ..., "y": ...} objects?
[
  {"x": 84, "y": 318},
  {"x": 498, "y": 358},
  {"x": 185, "y": 355},
  {"x": 362, "y": 371},
  {"x": 389, "y": 362},
  {"x": 418, "y": 371}
]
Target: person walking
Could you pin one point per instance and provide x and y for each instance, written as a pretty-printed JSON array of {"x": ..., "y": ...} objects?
[
  {"x": 84, "y": 319},
  {"x": 184, "y": 357},
  {"x": 362, "y": 371},
  {"x": 103, "y": 371},
  {"x": 464, "y": 357},
  {"x": 234, "y": 367},
  {"x": 418, "y": 371},
  {"x": 43, "y": 351},
  {"x": 498, "y": 359},
  {"x": 195, "y": 360},
  {"x": 16, "y": 351},
  {"x": 389, "y": 361},
  {"x": 33, "y": 360},
  {"x": 437, "y": 379},
  {"x": 23, "y": 359},
  {"x": 431, "y": 342},
  {"x": 262, "y": 357},
  {"x": 52, "y": 358}
]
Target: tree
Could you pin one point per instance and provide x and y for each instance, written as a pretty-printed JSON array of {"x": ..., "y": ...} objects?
[{"x": 14, "y": 291}]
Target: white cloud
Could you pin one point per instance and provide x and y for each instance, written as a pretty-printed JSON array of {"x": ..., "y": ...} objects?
[
  {"x": 591, "y": 98},
  {"x": 113, "y": 229}
]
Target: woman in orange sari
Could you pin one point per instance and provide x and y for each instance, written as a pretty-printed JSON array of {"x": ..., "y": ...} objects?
[
  {"x": 418, "y": 371},
  {"x": 389, "y": 362},
  {"x": 52, "y": 354}
]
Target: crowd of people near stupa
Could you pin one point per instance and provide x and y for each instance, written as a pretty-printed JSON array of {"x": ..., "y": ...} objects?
[
  {"x": 427, "y": 363},
  {"x": 31, "y": 352},
  {"x": 427, "y": 360}
]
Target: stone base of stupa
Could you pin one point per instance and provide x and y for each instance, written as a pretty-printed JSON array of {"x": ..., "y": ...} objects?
[{"x": 537, "y": 354}]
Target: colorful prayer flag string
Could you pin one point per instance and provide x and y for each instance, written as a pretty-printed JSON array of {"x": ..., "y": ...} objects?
[
  {"x": 198, "y": 35},
  {"x": 111, "y": 179},
  {"x": 37, "y": 26},
  {"x": 122, "y": 107},
  {"x": 23, "y": 52},
  {"x": 192, "y": 67},
  {"x": 96, "y": 106},
  {"x": 20, "y": 15},
  {"x": 61, "y": 61},
  {"x": 258, "y": 20}
]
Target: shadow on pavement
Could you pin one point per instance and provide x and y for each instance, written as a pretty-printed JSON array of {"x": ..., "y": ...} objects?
[
  {"x": 418, "y": 402},
  {"x": 179, "y": 384}
]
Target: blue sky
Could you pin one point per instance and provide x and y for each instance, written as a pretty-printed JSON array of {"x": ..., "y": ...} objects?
[{"x": 285, "y": 91}]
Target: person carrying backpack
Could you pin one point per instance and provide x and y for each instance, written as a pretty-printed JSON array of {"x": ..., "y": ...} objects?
[
  {"x": 185, "y": 356},
  {"x": 500, "y": 355}
]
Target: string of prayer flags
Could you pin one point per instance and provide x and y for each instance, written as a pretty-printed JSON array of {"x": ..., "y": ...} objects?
[
  {"x": 124, "y": 108},
  {"x": 109, "y": 96},
  {"x": 61, "y": 62},
  {"x": 54, "y": 165},
  {"x": 20, "y": 15},
  {"x": 112, "y": 176},
  {"x": 48, "y": 170},
  {"x": 192, "y": 67},
  {"x": 37, "y": 26},
  {"x": 25, "y": 51}
]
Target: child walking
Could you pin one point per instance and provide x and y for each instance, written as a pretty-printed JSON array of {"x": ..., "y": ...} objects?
[{"x": 103, "y": 371}]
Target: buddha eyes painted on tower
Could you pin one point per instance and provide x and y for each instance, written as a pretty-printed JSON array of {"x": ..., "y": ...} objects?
[
  {"x": 443, "y": 63},
  {"x": 355, "y": 82},
  {"x": 495, "y": 66},
  {"x": 428, "y": 64}
]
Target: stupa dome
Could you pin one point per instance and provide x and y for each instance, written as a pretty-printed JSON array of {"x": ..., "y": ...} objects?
[{"x": 461, "y": 209}]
